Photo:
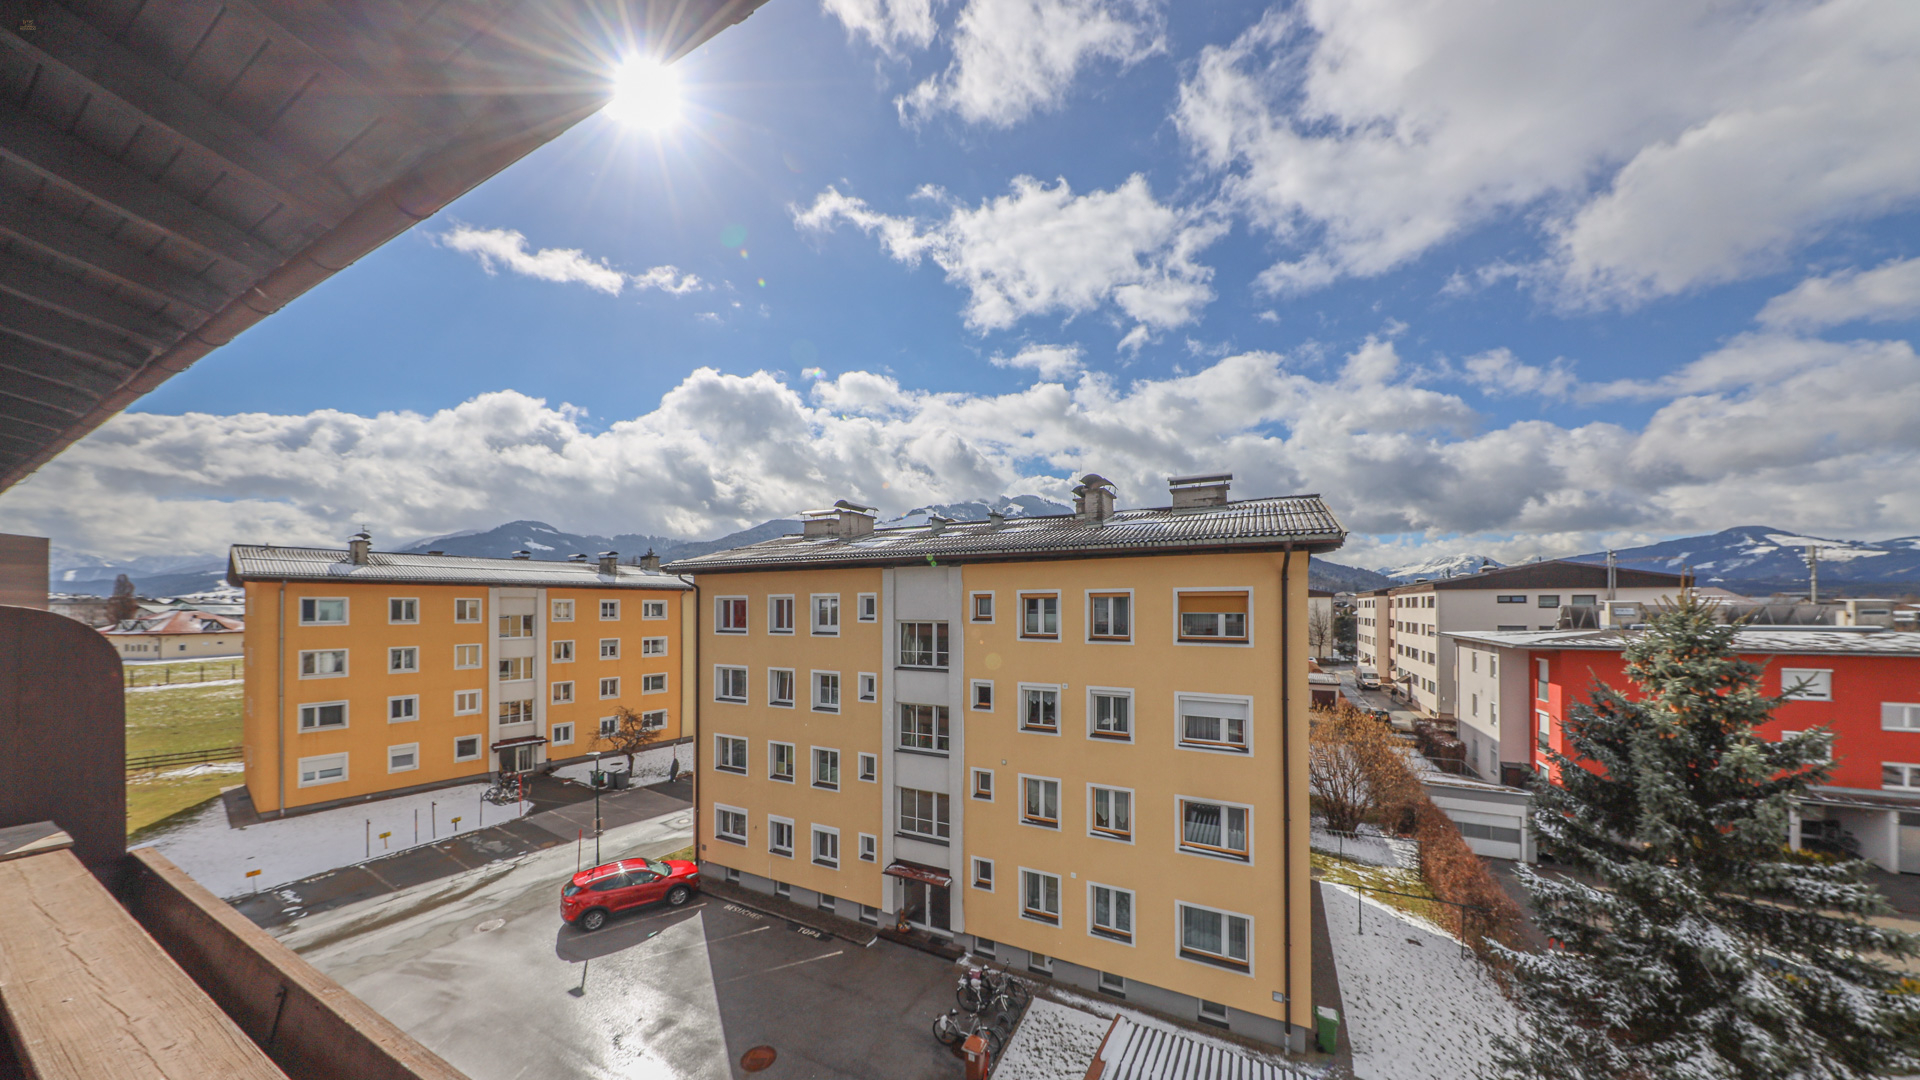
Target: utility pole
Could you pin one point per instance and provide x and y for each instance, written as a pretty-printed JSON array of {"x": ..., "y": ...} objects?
[{"x": 1813, "y": 573}]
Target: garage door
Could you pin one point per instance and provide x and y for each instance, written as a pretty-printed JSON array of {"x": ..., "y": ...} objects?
[
  {"x": 1495, "y": 836},
  {"x": 1910, "y": 843}
]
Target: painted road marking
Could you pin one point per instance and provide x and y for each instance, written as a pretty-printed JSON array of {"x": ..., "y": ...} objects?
[{"x": 783, "y": 967}]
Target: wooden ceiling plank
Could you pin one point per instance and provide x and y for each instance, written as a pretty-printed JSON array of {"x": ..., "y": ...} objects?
[
  {"x": 15, "y": 410},
  {"x": 63, "y": 369},
  {"x": 118, "y": 73},
  {"x": 32, "y": 143},
  {"x": 31, "y": 223},
  {"x": 76, "y": 298},
  {"x": 45, "y": 394},
  {"x": 25, "y": 319}
]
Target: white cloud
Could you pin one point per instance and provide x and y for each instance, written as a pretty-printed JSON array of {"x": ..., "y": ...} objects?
[
  {"x": 1043, "y": 250},
  {"x": 1799, "y": 434},
  {"x": 1014, "y": 57},
  {"x": 507, "y": 248},
  {"x": 890, "y": 25},
  {"x": 1363, "y": 134},
  {"x": 1501, "y": 374},
  {"x": 1047, "y": 361},
  {"x": 1886, "y": 293}
]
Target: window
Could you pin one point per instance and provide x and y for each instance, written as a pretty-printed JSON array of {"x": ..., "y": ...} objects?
[
  {"x": 609, "y": 726},
  {"x": 1040, "y": 616},
  {"x": 403, "y": 758},
  {"x": 610, "y": 611},
  {"x": 826, "y": 847},
  {"x": 1214, "y": 616},
  {"x": 1511, "y": 598},
  {"x": 563, "y": 652},
  {"x": 869, "y": 767},
  {"x": 1110, "y": 912},
  {"x": 1210, "y": 828},
  {"x": 324, "y": 715},
  {"x": 780, "y": 836},
  {"x": 1900, "y": 777},
  {"x": 609, "y": 648},
  {"x": 402, "y": 709},
  {"x": 869, "y": 686},
  {"x": 610, "y": 687},
  {"x": 923, "y": 727},
  {"x": 984, "y": 947},
  {"x": 1112, "y": 815},
  {"x": 563, "y": 611},
  {"x": 1215, "y": 937},
  {"x": 779, "y": 614},
  {"x": 1040, "y": 802},
  {"x": 466, "y": 748},
  {"x": 983, "y": 784},
  {"x": 403, "y": 660},
  {"x": 1110, "y": 714},
  {"x": 403, "y": 610},
  {"x": 315, "y": 611},
  {"x": 1040, "y": 709},
  {"x": 1549, "y": 600},
  {"x": 924, "y": 813},
  {"x": 1212, "y": 1012},
  {"x": 515, "y": 668},
  {"x": 1586, "y": 600},
  {"x": 323, "y": 663},
  {"x": 1040, "y": 896},
  {"x": 653, "y": 720},
  {"x": 1112, "y": 617},
  {"x": 324, "y": 769},
  {"x": 826, "y": 615},
  {"x": 870, "y": 915},
  {"x": 867, "y": 606},
  {"x": 730, "y": 684},
  {"x": 783, "y": 890},
  {"x": 923, "y": 645},
  {"x": 517, "y": 711},
  {"x": 826, "y": 769},
  {"x": 780, "y": 762},
  {"x": 729, "y": 753},
  {"x": 653, "y": 646},
  {"x": 1208, "y": 723},
  {"x": 562, "y": 734},
  {"x": 982, "y": 695},
  {"x": 729, "y": 614},
  {"x": 653, "y": 609},
  {"x": 730, "y": 824},
  {"x": 466, "y": 611},
  {"x": 1039, "y": 963},
  {"x": 1114, "y": 985},
  {"x": 780, "y": 687},
  {"x": 983, "y": 874},
  {"x": 562, "y": 693},
  {"x": 466, "y": 702},
  {"x": 869, "y": 848},
  {"x": 1806, "y": 684},
  {"x": 983, "y": 607},
  {"x": 516, "y": 626},
  {"x": 826, "y": 691},
  {"x": 469, "y": 656},
  {"x": 1546, "y": 727},
  {"x": 1541, "y": 680},
  {"x": 1895, "y": 716}
]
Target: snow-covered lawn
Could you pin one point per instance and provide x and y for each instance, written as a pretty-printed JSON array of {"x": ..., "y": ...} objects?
[
  {"x": 1053, "y": 1043},
  {"x": 288, "y": 849},
  {"x": 1417, "y": 1005},
  {"x": 649, "y": 766},
  {"x": 185, "y": 685},
  {"x": 1369, "y": 847}
]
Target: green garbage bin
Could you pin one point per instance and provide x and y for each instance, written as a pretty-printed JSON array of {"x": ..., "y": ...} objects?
[{"x": 1326, "y": 1024}]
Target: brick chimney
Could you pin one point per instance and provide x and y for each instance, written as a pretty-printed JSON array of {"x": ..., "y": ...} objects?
[
  {"x": 1093, "y": 499},
  {"x": 359, "y": 546},
  {"x": 610, "y": 563},
  {"x": 649, "y": 561},
  {"x": 844, "y": 519},
  {"x": 1201, "y": 489}
]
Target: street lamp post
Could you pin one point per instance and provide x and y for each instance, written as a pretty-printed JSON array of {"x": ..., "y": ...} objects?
[{"x": 598, "y": 778}]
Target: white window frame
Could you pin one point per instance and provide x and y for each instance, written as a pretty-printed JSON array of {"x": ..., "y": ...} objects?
[
  {"x": 815, "y": 684},
  {"x": 975, "y": 877},
  {"x": 561, "y": 652},
  {"x": 609, "y": 727},
  {"x": 345, "y": 664},
  {"x": 819, "y": 831},
  {"x": 479, "y": 655},
  {"x": 775, "y": 825},
  {"x": 653, "y": 682},
  {"x": 346, "y": 716},
  {"x": 412, "y": 699},
  {"x": 1202, "y": 643},
  {"x": 474, "y": 604},
  {"x": 403, "y": 620},
  {"x": 562, "y": 734},
  {"x": 653, "y": 609},
  {"x": 774, "y": 700},
  {"x": 479, "y": 700},
  {"x": 504, "y": 664},
  {"x": 1021, "y": 705},
  {"x": 935, "y": 836},
  {"x": 609, "y": 687},
  {"x": 1212, "y": 960},
  {"x": 973, "y": 785},
  {"x": 973, "y": 606},
  {"x": 314, "y": 764},
  {"x": 773, "y": 762},
  {"x": 868, "y": 686},
  {"x": 973, "y": 695},
  {"x": 561, "y": 693},
  {"x": 731, "y": 838},
  {"x": 1045, "y": 917},
  {"x": 1820, "y": 690},
  {"x": 653, "y": 646},
  {"x": 1911, "y": 771},
  {"x": 1907, "y": 712},
  {"x": 723, "y": 671},
  {"x": 609, "y": 611},
  {"x": 1826, "y": 756},
  {"x": 1133, "y": 610},
  {"x": 1223, "y": 853},
  {"x": 741, "y": 604},
  {"x": 653, "y": 719},
  {"x": 815, "y": 626},
  {"x": 604, "y": 653},
  {"x": 869, "y": 847},
  {"x": 1020, "y": 630},
  {"x": 720, "y": 743},
  {"x": 1125, "y": 693},
  {"x": 1113, "y": 933},
  {"x": 408, "y": 653},
  {"x": 1059, "y": 810},
  {"x": 1180, "y": 724},
  {"x": 813, "y": 768},
  {"x": 560, "y": 611},
  {"x": 346, "y": 611},
  {"x": 866, "y": 607},
  {"x": 869, "y": 768},
  {"x": 1133, "y": 806},
  {"x": 793, "y": 614},
  {"x": 477, "y": 748},
  {"x": 410, "y": 748}
]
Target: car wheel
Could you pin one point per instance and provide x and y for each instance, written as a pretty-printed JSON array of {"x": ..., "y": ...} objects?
[
  {"x": 593, "y": 920},
  {"x": 678, "y": 895}
]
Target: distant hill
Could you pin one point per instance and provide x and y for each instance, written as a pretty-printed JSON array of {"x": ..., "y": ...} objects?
[
  {"x": 1443, "y": 566},
  {"x": 1758, "y": 560},
  {"x": 548, "y": 543},
  {"x": 1334, "y": 577}
]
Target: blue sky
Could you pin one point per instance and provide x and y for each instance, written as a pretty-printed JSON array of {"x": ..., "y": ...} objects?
[{"x": 1489, "y": 277}]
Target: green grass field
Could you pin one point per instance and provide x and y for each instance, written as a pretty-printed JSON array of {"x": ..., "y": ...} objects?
[
  {"x": 183, "y": 716},
  {"x": 1348, "y": 872}
]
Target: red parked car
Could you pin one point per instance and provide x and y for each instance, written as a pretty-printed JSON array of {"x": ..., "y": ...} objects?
[{"x": 593, "y": 896}]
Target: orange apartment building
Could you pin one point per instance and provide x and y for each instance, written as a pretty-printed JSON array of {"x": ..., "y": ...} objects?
[
  {"x": 371, "y": 672},
  {"x": 1074, "y": 743}
]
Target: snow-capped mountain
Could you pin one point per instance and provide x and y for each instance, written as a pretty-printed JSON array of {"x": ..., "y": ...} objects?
[
  {"x": 1442, "y": 566},
  {"x": 1757, "y": 560},
  {"x": 1014, "y": 506}
]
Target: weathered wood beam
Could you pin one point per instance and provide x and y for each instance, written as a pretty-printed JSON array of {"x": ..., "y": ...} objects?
[
  {"x": 36, "y": 224},
  {"x": 15, "y": 410},
  {"x": 45, "y": 326},
  {"x": 73, "y": 297},
  {"x": 43, "y": 393},
  {"x": 63, "y": 369},
  {"x": 36, "y": 145}
]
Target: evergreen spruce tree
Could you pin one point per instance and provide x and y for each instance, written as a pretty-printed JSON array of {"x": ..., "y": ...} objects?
[{"x": 1690, "y": 942}]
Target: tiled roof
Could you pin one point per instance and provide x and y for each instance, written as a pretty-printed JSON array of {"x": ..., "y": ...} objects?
[
  {"x": 1836, "y": 640},
  {"x": 1250, "y": 524},
  {"x": 1136, "y": 1051},
  {"x": 1553, "y": 574},
  {"x": 248, "y": 562},
  {"x": 180, "y": 622}
]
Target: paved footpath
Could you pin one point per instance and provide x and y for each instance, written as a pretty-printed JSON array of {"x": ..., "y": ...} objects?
[{"x": 563, "y": 812}]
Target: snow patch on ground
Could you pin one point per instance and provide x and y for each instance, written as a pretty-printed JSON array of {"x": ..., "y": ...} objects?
[
  {"x": 289, "y": 849},
  {"x": 1053, "y": 1043},
  {"x": 1417, "y": 1005},
  {"x": 205, "y": 768},
  {"x": 1106, "y": 1009},
  {"x": 1370, "y": 848},
  {"x": 185, "y": 685},
  {"x": 649, "y": 766}
]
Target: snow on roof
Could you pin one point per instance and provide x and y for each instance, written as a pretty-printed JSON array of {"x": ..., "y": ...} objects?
[
  {"x": 186, "y": 621},
  {"x": 250, "y": 562},
  {"x": 1816, "y": 640}
]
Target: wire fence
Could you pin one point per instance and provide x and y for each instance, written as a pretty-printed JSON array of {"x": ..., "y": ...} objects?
[
  {"x": 1375, "y": 849},
  {"x": 176, "y": 674},
  {"x": 1465, "y": 911},
  {"x": 150, "y": 762}
]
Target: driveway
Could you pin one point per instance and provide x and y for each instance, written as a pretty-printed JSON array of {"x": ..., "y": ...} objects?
[{"x": 480, "y": 969}]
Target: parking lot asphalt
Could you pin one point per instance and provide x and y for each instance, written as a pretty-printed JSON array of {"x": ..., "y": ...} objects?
[{"x": 480, "y": 969}]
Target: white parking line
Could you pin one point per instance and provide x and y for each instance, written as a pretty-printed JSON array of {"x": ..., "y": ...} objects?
[{"x": 783, "y": 967}]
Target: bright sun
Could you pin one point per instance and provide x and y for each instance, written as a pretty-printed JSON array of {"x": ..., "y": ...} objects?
[{"x": 646, "y": 94}]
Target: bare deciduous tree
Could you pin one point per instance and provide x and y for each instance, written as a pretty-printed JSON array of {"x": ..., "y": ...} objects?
[
  {"x": 123, "y": 604},
  {"x": 1354, "y": 768},
  {"x": 1320, "y": 627},
  {"x": 631, "y": 734}
]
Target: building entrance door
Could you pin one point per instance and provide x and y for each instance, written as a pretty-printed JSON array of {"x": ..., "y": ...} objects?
[
  {"x": 516, "y": 759},
  {"x": 927, "y": 906}
]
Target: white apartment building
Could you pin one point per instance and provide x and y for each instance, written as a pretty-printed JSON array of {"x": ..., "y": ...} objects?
[{"x": 1373, "y": 633}]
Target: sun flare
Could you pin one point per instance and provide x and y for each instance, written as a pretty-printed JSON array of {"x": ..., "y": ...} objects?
[{"x": 646, "y": 94}]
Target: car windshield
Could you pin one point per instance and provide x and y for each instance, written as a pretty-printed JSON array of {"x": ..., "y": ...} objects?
[
  {"x": 569, "y": 889},
  {"x": 658, "y": 867}
]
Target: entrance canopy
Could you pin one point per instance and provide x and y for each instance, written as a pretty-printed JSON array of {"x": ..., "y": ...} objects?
[
  {"x": 915, "y": 872},
  {"x": 523, "y": 740}
]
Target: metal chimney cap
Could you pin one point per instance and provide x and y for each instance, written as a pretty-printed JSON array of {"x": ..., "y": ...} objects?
[
  {"x": 609, "y": 554},
  {"x": 523, "y": 554},
  {"x": 361, "y": 535},
  {"x": 1200, "y": 478},
  {"x": 846, "y": 504},
  {"x": 1094, "y": 480},
  {"x": 577, "y": 556}
]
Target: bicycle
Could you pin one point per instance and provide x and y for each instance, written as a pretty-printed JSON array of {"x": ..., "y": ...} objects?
[
  {"x": 982, "y": 989},
  {"x": 502, "y": 793},
  {"x": 952, "y": 1029}
]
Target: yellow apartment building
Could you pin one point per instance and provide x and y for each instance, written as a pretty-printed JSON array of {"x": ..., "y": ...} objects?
[
  {"x": 1073, "y": 743},
  {"x": 369, "y": 672}
]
